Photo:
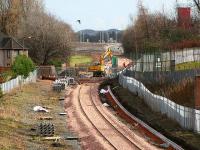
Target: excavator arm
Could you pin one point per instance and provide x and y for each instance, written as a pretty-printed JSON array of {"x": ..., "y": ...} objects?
[
  {"x": 107, "y": 53},
  {"x": 99, "y": 69}
]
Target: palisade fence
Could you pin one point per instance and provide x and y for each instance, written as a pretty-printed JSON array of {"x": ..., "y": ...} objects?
[
  {"x": 163, "y": 76},
  {"x": 166, "y": 61},
  {"x": 187, "y": 117},
  {"x": 163, "y": 66},
  {"x": 14, "y": 83}
]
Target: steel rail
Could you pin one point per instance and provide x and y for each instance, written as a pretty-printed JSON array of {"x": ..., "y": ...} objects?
[
  {"x": 144, "y": 125},
  {"x": 119, "y": 132},
  {"x": 114, "y": 147}
]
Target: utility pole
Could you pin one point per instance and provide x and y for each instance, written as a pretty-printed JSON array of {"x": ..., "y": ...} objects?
[
  {"x": 83, "y": 36},
  {"x": 116, "y": 36},
  {"x": 80, "y": 36},
  {"x": 102, "y": 37},
  {"x": 107, "y": 36}
]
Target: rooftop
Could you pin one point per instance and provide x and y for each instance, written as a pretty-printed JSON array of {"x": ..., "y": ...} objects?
[{"x": 7, "y": 42}]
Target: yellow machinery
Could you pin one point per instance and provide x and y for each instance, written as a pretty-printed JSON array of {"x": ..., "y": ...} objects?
[{"x": 98, "y": 68}]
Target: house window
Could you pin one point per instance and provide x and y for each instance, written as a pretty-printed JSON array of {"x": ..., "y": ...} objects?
[{"x": 8, "y": 53}]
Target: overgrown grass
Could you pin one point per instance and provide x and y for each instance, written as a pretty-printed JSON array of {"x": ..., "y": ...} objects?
[
  {"x": 181, "y": 93},
  {"x": 188, "y": 65},
  {"x": 17, "y": 117},
  {"x": 80, "y": 59}
]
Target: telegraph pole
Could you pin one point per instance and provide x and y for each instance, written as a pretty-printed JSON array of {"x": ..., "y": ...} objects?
[
  {"x": 107, "y": 37},
  {"x": 102, "y": 37},
  {"x": 83, "y": 37},
  {"x": 80, "y": 36},
  {"x": 79, "y": 21},
  {"x": 116, "y": 36}
]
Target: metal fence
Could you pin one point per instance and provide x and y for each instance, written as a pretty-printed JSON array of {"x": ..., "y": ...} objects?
[
  {"x": 187, "y": 117},
  {"x": 166, "y": 67},
  {"x": 164, "y": 77},
  {"x": 166, "y": 60},
  {"x": 14, "y": 83}
]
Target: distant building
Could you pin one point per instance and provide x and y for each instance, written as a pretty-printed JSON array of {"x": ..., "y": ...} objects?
[{"x": 9, "y": 49}]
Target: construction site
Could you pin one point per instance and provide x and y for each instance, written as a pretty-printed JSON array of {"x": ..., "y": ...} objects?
[{"x": 85, "y": 89}]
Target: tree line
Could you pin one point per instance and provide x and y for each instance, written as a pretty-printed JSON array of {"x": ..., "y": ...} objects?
[
  {"x": 158, "y": 31},
  {"x": 47, "y": 37}
]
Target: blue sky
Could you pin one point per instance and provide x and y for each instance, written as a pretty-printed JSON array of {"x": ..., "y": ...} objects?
[{"x": 103, "y": 14}]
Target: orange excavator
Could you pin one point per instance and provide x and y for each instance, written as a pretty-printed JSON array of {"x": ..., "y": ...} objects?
[{"x": 98, "y": 68}]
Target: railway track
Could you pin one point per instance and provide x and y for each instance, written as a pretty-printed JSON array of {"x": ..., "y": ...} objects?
[
  {"x": 115, "y": 138},
  {"x": 110, "y": 122},
  {"x": 153, "y": 134}
]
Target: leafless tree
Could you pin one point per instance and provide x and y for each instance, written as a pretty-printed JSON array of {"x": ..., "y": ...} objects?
[
  {"x": 197, "y": 3},
  {"x": 50, "y": 37},
  {"x": 156, "y": 31}
]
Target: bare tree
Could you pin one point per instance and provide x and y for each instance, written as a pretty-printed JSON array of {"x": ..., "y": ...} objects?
[
  {"x": 12, "y": 12},
  {"x": 156, "y": 31},
  {"x": 197, "y": 3},
  {"x": 50, "y": 37}
]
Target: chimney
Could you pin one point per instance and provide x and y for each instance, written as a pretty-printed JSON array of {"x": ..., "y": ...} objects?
[{"x": 184, "y": 17}]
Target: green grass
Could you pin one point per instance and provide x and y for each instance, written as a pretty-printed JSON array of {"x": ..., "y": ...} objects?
[
  {"x": 187, "y": 65},
  {"x": 79, "y": 59}
]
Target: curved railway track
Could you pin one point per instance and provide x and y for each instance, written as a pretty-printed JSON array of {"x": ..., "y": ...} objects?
[
  {"x": 106, "y": 126},
  {"x": 109, "y": 122}
]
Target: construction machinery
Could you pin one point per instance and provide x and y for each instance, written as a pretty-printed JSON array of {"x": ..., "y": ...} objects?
[{"x": 98, "y": 68}]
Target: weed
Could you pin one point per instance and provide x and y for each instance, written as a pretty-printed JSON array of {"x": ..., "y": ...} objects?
[{"x": 181, "y": 93}]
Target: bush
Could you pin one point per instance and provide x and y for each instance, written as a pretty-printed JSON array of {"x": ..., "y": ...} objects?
[{"x": 23, "y": 66}]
